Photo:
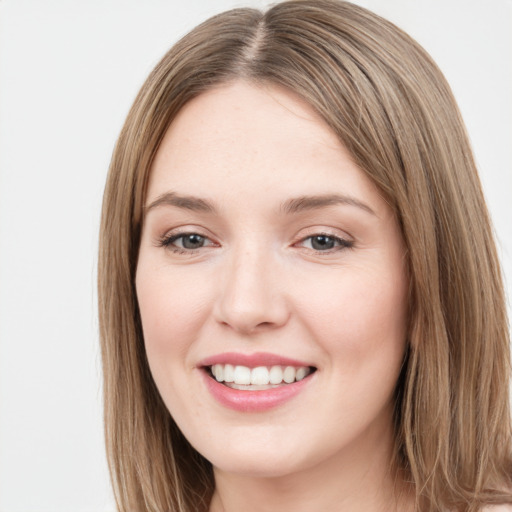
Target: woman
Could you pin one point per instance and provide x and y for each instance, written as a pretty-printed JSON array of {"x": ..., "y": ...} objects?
[{"x": 300, "y": 301}]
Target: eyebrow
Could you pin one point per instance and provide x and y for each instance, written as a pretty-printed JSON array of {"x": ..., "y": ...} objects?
[
  {"x": 305, "y": 203},
  {"x": 291, "y": 206},
  {"x": 186, "y": 202}
]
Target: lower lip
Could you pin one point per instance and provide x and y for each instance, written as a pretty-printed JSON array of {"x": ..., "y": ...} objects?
[{"x": 254, "y": 401}]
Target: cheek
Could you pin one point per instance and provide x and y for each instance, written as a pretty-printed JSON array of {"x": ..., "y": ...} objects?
[
  {"x": 359, "y": 321},
  {"x": 172, "y": 310},
  {"x": 361, "y": 329}
]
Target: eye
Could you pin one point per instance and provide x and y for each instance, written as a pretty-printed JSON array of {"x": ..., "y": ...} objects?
[
  {"x": 325, "y": 243},
  {"x": 185, "y": 242},
  {"x": 189, "y": 241}
]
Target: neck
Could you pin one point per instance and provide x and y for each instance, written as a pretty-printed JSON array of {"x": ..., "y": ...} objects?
[{"x": 359, "y": 479}]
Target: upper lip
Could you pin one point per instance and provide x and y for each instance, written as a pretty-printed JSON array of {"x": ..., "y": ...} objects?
[{"x": 251, "y": 360}]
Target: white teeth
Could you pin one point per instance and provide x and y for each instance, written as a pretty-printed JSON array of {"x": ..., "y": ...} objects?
[
  {"x": 276, "y": 375},
  {"x": 299, "y": 374},
  {"x": 238, "y": 376},
  {"x": 242, "y": 375},
  {"x": 229, "y": 373},
  {"x": 219, "y": 372},
  {"x": 259, "y": 376},
  {"x": 216, "y": 371},
  {"x": 289, "y": 374}
]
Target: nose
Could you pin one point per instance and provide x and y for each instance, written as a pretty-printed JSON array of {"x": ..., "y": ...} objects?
[{"x": 251, "y": 296}]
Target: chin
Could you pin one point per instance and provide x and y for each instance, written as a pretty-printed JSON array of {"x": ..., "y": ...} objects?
[
  {"x": 257, "y": 467},
  {"x": 260, "y": 459}
]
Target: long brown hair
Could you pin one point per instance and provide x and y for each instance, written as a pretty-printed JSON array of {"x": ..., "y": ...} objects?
[{"x": 389, "y": 104}]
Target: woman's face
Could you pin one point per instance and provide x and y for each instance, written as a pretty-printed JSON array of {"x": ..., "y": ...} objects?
[{"x": 266, "y": 254}]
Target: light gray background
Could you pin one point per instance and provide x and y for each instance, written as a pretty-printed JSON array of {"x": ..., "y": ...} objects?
[{"x": 69, "y": 70}]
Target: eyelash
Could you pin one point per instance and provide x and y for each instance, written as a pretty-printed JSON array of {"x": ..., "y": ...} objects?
[
  {"x": 167, "y": 241},
  {"x": 342, "y": 243}
]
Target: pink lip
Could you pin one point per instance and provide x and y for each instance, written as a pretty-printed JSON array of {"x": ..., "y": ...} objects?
[
  {"x": 253, "y": 401},
  {"x": 251, "y": 360}
]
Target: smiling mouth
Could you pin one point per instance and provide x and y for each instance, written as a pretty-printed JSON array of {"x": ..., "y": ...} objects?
[{"x": 258, "y": 378}]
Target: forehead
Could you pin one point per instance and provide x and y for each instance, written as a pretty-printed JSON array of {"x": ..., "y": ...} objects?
[
  {"x": 257, "y": 118},
  {"x": 245, "y": 139}
]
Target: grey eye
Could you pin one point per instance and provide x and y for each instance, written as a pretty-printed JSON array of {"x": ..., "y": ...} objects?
[
  {"x": 192, "y": 241},
  {"x": 322, "y": 242},
  {"x": 326, "y": 243}
]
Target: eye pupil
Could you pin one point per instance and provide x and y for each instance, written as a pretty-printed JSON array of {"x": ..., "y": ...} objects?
[
  {"x": 192, "y": 241},
  {"x": 322, "y": 242}
]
